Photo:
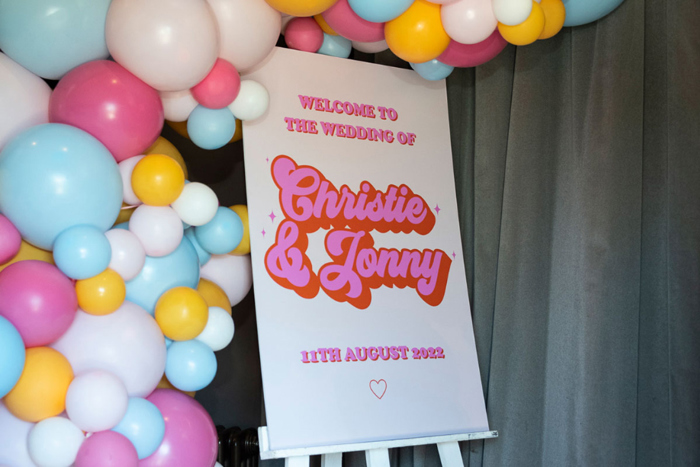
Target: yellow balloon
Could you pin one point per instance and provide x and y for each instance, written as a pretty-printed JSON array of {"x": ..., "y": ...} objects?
[
  {"x": 41, "y": 390},
  {"x": 554, "y": 16},
  {"x": 526, "y": 32},
  {"x": 29, "y": 251},
  {"x": 213, "y": 295},
  {"x": 417, "y": 35},
  {"x": 163, "y": 146},
  {"x": 243, "y": 248},
  {"x": 157, "y": 180},
  {"x": 165, "y": 384},
  {"x": 101, "y": 294},
  {"x": 324, "y": 25},
  {"x": 301, "y": 7},
  {"x": 181, "y": 129},
  {"x": 181, "y": 313}
]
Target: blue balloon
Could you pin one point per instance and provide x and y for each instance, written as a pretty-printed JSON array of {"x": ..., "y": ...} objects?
[
  {"x": 204, "y": 255},
  {"x": 211, "y": 128},
  {"x": 433, "y": 70},
  {"x": 379, "y": 11},
  {"x": 190, "y": 365},
  {"x": 143, "y": 425},
  {"x": 50, "y": 37},
  {"x": 12, "y": 356},
  {"x": 222, "y": 234},
  {"x": 56, "y": 176},
  {"x": 179, "y": 268},
  {"x": 335, "y": 46},
  {"x": 82, "y": 251},
  {"x": 580, "y": 12}
]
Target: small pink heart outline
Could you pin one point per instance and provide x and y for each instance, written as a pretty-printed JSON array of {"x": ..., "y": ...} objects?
[{"x": 377, "y": 384}]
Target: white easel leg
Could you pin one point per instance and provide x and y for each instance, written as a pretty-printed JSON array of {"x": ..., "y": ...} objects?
[
  {"x": 450, "y": 455},
  {"x": 332, "y": 460},
  {"x": 377, "y": 457},
  {"x": 298, "y": 461}
]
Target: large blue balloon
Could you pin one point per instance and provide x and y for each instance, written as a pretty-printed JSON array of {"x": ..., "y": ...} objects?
[
  {"x": 56, "y": 176},
  {"x": 143, "y": 425},
  {"x": 179, "y": 268},
  {"x": 190, "y": 365},
  {"x": 580, "y": 12},
  {"x": 335, "y": 46},
  {"x": 50, "y": 37},
  {"x": 204, "y": 255},
  {"x": 379, "y": 11},
  {"x": 211, "y": 128},
  {"x": 12, "y": 356}
]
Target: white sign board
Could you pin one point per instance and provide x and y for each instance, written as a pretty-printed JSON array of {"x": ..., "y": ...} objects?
[{"x": 361, "y": 297}]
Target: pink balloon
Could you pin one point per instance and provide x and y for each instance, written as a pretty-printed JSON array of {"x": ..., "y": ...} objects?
[
  {"x": 304, "y": 34},
  {"x": 10, "y": 240},
  {"x": 470, "y": 55},
  {"x": 343, "y": 20},
  {"x": 38, "y": 299},
  {"x": 107, "y": 449},
  {"x": 220, "y": 87},
  {"x": 190, "y": 436},
  {"x": 110, "y": 103}
]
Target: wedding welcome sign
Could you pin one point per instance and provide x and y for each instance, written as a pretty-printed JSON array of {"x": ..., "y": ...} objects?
[{"x": 361, "y": 296}]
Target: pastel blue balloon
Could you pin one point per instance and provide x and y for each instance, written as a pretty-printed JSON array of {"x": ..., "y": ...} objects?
[
  {"x": 190, "y": 365},
  {"x": 122, "y": 225},
  {"x": 82, "y": 251},
  {"x": 143, "y": 425},
  {"x": 55, "y": 176},
  {"x": 179, "y": 268},
  {"x": 580, "y": 12},
  {"x": 335, "y": 46},
  {"x": 222, "y": 234},
  {"x": 12, "y": 356},
  {"x": 204, "y": 255},
  {"x": 433, "y": 70},
  {"x": 211, "y": 128},
  {"x": 168, "y": 342},
  {"x": 50, "y": 37},
  {"x": 379, "y": 11}
]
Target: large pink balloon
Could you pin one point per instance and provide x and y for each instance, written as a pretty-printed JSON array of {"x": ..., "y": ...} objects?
[
  {"x": 111, "y": 104},
  {"x": 107, "y": 449},
  {"x": 470, "y": 55},
  {"x": 348, "y": 24},
  {"x": 38, "y": 299},
  {"x": 10, "y": 240},
  {"x": 190, "y": 436}
]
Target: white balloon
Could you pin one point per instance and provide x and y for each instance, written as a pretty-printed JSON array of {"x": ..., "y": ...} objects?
[
  {"x": 128, "y": 255},
  {"x": 197, "y": 204},
  {"x": 219, "y": 330},
  {"x": 127, "y": 343},
  {"x": 96, "y": 401},
  {"x": 177, "y": 105},
  {"x": 251, "y": 102},
  {"x": 512, "y": 12},
  {"x": 233, "y": 274},
  {"x": 158, "y": 228},
  {"x": 126, "y": 168},
  {"x": 54, "y": 442},
  {"x": 370, "y": 47},
  {"x": 170, "y": 44},
  {"x": 13, "y": 439},
  {"x": 248, "y": 30},
  {"x": 24, "y": 99}
]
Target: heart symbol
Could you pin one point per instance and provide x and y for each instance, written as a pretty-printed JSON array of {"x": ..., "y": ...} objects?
[{"x": 378, "y": 388}]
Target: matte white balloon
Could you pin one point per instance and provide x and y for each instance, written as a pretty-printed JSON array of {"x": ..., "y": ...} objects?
[
  {"x": 128, "y": 255},
  {"x": 126, "y": 168},
  {"x": 24, "y": 99},
  {"x": 252, "y": 101},
  {"x": 469, "y": 21},
  {"x": 178, "y": 105},
  {"x": 218, "y": 332},
  {"x": 232, "y": 273},
  {"x": 197, "y": 204},
  {"x": 170, "y": 44},
  {"x": 512, "y": 12},
  {"x": 370, "y": 47},
  {"x": 54, "y": 442},
  {"x": 158, "y": 228},
  {"x": 96, "y": 401},
  {"x": 13, "y": 440},
  {"x": 127, "y": 343}
]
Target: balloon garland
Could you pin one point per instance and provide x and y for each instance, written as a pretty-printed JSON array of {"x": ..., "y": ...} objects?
[{"x": 117, "y": 274}]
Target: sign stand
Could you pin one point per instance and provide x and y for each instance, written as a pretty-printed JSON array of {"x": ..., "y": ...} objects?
[{"x": 377, "y": 452}]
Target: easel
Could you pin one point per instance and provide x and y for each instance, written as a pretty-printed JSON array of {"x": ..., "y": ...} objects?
[{"x": 377, "y": 453}]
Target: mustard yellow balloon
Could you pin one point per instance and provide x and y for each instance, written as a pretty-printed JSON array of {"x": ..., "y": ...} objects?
[
  {"x": 417, "y": 35},
  {"x": 526, "y": 32},
  {"x": 554, "y": 16},
  {"x": 41, "y": 390},
  {"x": 181, "y": 313},
  {"x": 29, "y": 251},
  {"x": 324, "y": 25},
  {"x": 165, "y": 384},
  {"x": 102, "y": 294},
  {"x": 243, "y": 248},
  {"x": 157, "y": 180},
  {"x": 213, "y": 295},
  {"x": 163, "y": 146},
  {"x": 301, "y": 7}
]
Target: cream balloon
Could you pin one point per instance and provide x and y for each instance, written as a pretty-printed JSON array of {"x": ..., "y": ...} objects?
[
  {"x": 512, "y": 12},
  {"x": 13, "y": 439},
  {"x": 158, "y": 228},
  {"x": 370, "y": 47},
  {"x": 252, "y": 101},
  {"x": 54, "y": 442},
  {"x": 126, "y": 168},
  {"x": 197, "y": 204},
  {"x": 248, "y": 31},
  {"x": 24, "y": 99},
  {"x": 178, "y": 105},
  {"x": 218, "y": 332},
  {"x": 170, "y": 44},
  {"x": 469, "y": 21},
  {"x": 96, "y": 401},
  {"x": 232, "y": 273},
  {"x": 128, "y": 255}
]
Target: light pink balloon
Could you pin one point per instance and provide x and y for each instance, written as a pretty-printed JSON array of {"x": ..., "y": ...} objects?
[
  {"x": 470, "y": 55},
  {"x": 128, "y": 255},
  {"x": 370, "y": 47},
  {"x": 469, "y": 21},
  {"x": 158, "y": 228},
  {"x": 107, "y": 449},
  {"x": 10, "y": 240},
  {"x": 178, "y": 105},
  {"x": 343, "y": 20},
  {"x": 232, "y": 273},
  {"x": 126, "y": 168}
]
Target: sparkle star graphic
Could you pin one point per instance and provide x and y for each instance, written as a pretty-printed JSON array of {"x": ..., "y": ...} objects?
[
  {"x": 272, "y": 216},
  {"x": 263, "y": 232},
  {"x": 437, "y": 209},
  {"x": 454, "y": 255},
  {"x": 267, "y": 159}
]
